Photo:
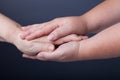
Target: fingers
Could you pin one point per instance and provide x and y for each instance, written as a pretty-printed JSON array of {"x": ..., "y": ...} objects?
[
  {"x": 48, "y": 56},
  {"x": 28, "y": 56},
  {"x": 39, "y": 47},
  {"x": 30, "y": 29},
  {"x": 72, "y": 37},
  {"x": 64, "y": 53},
  {"x": 84, "y": 37},
  {"x": 57, "y": 55},
  {"x": 59, "y": 32},
  {"x": 44, "y": 47},
  {"x": 42, "y": 40},
  {"x": 36, "y": 48},
  {"x": 44, "y": 56},
  {"x": 25, "y": 28},
  {"x": 39, "y": 31}
]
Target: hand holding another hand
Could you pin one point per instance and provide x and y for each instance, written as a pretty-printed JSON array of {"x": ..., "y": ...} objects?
[
  {"x": 68, "y": 50},
  {"x": 34, "y": 46},
  {"x": 56, "y": 29}
]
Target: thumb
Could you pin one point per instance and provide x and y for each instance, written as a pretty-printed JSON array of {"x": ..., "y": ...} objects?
[{"x": 59, "y": 33}]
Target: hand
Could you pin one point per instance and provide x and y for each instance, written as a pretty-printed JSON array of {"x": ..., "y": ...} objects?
[
  {"x": 64, "y": 53},
  {"x": 34, "y": 46},
  {"x": 57, "y": 28},
  {"x": 10, "y": 32},
  {"x": 69, "y": 38}
]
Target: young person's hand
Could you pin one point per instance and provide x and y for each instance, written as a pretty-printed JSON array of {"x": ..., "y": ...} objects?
[
  {"x": 103, "y": 45},
  {"x": 56, "y": 29}
]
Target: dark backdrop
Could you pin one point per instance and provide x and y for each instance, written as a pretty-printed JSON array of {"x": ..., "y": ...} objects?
[{"x": 25, "y": 12}]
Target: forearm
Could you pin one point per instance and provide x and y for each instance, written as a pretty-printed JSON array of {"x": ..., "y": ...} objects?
[
  {"x": 8, "y": 29},
  {"x": 103, "y": 15},
  {"x": 105, "y": 44},
  {"x": 10, "y": 32}
]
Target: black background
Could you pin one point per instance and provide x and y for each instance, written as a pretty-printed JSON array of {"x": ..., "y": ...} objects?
[{"x": 25, "y": 12}]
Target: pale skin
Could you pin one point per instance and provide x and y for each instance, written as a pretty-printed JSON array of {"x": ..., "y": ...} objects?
[
  {"x": 105, "y": 44},
  {"x": 10, "y": 32}
]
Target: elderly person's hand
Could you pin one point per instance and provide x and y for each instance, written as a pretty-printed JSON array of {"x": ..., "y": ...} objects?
[
  {"x": 10, "y": 32},
  {"x": 33, "y": 47}
]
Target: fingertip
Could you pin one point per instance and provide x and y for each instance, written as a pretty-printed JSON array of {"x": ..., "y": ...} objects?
[
  {"x": 28, "y": 56},
  {"x": 44, "y": 56},
  {"x": 27, "y": 38},
  {"x": 24, "y": 55},
  {"x": 25, "y": 28},
  {"x": 56, "y": 43},
  {"x": 51, "y": 47},
  {"x": 51, "y": 37},
  {"x": 22, "y": 28},
  {"x": 24, "y": 35},
  {"x": 40, "y": 54}
]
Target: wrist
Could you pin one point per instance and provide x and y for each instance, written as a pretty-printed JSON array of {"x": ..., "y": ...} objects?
[
  {"x": 8, "y": 29},
  {"x": 83, "y": 25},
  {"x": 13, "y": 36},
  {"x": 85, "y": 51},
  {"x": 11, "y": 33},
  {"x": 91, "y": 25}
]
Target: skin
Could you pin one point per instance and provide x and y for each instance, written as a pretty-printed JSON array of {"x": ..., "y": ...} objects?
[
  {"x": 101, "y": 46},
  {"x": 104, "y": 18},
  {"x": 10, "y": 32},
  {"x": 57, "y": 27}
]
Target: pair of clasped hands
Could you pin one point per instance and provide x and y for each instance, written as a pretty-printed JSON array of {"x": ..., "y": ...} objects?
[
  {"x": 62, "y": 39},
  {"x": 56, "y": 40}
]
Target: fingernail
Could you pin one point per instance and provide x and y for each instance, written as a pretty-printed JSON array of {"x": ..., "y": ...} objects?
[{"x": 51, "y": 37}]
